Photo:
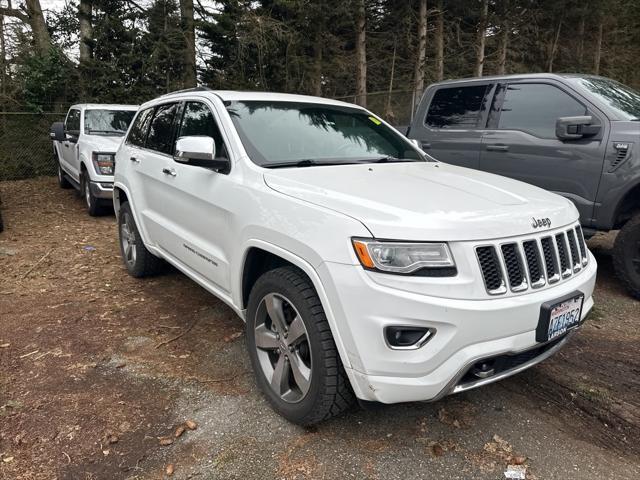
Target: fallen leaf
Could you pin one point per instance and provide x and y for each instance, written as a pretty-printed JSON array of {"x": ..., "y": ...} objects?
[
  {"x": 518, "y": 460},
  {"x": 179, "y": 431},
  {"x": 164, "y": 441},
  {"x": 5, "y": 345},
  {"x": 112, "y": 439},
  {"x": 233, "y": 336},
  {"x": 7, "y": 459},
  {"x": 437, "y": 450},
  {"x": 191, "y": 425},
  {"x": 170, "y": 469}
]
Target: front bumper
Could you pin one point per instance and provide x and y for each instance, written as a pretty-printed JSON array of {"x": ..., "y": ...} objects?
[
  {"x": 101, "y": 189},
  {"x": 467, "y": 331}
]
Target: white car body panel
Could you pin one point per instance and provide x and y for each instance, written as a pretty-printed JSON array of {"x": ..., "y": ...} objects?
[{"x": 205, "y": 222}]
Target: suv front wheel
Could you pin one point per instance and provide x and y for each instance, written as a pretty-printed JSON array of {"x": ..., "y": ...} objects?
[
  {"x": 626, "y": 255},
  {"x": 292, "y": 351}
]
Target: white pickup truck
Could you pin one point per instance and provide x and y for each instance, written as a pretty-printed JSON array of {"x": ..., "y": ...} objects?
[
  {"x": 362, "y": 267},
  {"x": 84, "y": 147}
]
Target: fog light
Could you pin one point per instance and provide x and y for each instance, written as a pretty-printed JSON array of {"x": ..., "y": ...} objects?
[{"x": 406, "y": 338}]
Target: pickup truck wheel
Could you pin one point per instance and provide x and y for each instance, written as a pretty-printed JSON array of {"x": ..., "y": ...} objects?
[
  {"x": 94, "y": 206},
  {"x": 139, "y": 261},
  {"x": 62, "y": 180},
  {"x": 626, "y": 255},
  {"x": 292, "y": 351}
]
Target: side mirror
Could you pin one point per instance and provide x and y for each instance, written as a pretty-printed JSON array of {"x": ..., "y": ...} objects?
[
  {"x": 575, "y": 128},
  {"x": 200, "y": 151},
  {"x": 57, "y": 132}
]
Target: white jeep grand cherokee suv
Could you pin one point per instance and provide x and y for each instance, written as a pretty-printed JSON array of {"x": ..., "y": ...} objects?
[
  {"x": 84, "y": 146},
  {"x": 362, "y": 267}
]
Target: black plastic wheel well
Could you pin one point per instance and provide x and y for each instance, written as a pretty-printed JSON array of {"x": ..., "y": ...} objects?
[
  {"x": 628, "y": 207},
  {"x": 258, "y": 262}
]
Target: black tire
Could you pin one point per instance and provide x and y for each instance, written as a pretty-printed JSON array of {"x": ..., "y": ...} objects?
[
  {"x": 95, "y": 206},
  {"x": 329, "y": 391},
  {"x": 142, "y": 263},
  {"x": 626, "y": 255},
  {"x": 62, "y": 180}
]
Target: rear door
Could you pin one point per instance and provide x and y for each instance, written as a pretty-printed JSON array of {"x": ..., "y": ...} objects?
[
  {"x": 450, "y": 122},
  {"x": 520, "y": 141},
  {"x": 69, "y": 151}
]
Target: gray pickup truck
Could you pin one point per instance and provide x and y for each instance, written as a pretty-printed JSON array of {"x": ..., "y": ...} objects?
[{"x": 576, "y": 135}]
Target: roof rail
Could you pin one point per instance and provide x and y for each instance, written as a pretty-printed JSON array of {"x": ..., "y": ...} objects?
[{"x": 194, "y": 89}]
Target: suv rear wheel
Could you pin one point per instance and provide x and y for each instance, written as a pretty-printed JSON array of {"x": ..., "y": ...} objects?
[
  {"x": 626, "y": 255},
  {"x": 139, "y": 261},
  {"x": 292, "y": 351}
]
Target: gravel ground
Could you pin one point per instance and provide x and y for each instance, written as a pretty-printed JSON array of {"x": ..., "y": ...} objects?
[{"x": 88, "y": 389}]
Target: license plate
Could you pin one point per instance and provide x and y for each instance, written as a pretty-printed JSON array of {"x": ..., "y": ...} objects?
[{"x": 559, "y": 316}]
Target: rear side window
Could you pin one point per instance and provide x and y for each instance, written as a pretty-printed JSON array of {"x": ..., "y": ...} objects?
[
  {"x": 160, "y": 136},
  {"x": 72, "y": 123},
  {"x": 456, "y": 107},
  {"x": 535, "y": 108},
  {"x": 138, "y": 133},
  {"x": 198, "y": 120}
]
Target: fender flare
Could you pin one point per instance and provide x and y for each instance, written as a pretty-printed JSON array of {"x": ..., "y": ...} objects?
[{"x": 313, "y": 275}]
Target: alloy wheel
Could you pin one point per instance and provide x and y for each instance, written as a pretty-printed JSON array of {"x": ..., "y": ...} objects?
[
  {"x": 128, "y": 240},
  {"x": 282, "y": 346}
]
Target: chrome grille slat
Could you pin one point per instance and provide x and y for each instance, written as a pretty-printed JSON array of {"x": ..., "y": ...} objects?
[{"x": 533, "y": 262}]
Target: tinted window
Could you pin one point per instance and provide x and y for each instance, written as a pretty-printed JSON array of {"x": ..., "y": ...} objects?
[
  {"x": 290, "y": 132},
  {"x": 198, "y": 120},
  {"x": 73, "y": 120},
  {"x": 160, "y": 136},
  {"x": 457, "y": 107},
  {"x": 107, "y": 122},
  {"x": 138, "y": 133},
  {"x": 535, "y": 107}
]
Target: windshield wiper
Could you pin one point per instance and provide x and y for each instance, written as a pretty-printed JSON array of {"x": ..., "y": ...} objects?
[
  {"x": 119, "y": 132},
  {"x": 307, "y": 162}
]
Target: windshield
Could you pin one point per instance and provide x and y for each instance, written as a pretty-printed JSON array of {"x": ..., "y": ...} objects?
[
  {"x": 107, "y": 122},
  {"x": 281, "y": 134},
  {"x": 623, "y": 99}
]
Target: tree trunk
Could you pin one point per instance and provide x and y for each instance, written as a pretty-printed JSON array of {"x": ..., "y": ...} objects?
[
  {"x": 389, "y": 115},
  {"x": 580, "y": 49},
  {"x": 316, "y": 82},
  {"x": 3, "y": 65},
  {"x": 439, "y": 41},
  {"x": 598, "y": 51},
  {"x": 85, "y": 12},
  {"x": 504, "y": 46},
  {"x": 554, "y": 46},
  {"x": 361, "y": 54},
  {"x": 418, "y": 73},
  {"x": 481, "y": 38},
  {"x": 189, "y": 31},
  {"x": 41, "y": 37}
]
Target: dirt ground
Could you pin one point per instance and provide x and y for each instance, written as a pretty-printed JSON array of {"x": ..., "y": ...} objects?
[{"x": 90, "y": 388}]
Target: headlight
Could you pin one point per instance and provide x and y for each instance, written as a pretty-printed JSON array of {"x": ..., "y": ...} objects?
[
  {"x": 402, "y": 257},
  {"x": 104, "y": 162}
]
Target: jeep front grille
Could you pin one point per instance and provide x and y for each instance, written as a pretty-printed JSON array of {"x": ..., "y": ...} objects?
[{"x": 533, "y": 262}]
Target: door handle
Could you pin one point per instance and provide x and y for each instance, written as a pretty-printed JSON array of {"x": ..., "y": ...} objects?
[
  {"x": 498, "y": 148},
  {"x": 134, "y": 160},
  {"x": 425, "y": 145},
  {"x": 169, "y": 171}
]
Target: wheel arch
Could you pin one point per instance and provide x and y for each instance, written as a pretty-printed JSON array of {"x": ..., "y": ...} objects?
[
  {"x": 257, "y": 251},
  {"x": 628, "y": 206}
]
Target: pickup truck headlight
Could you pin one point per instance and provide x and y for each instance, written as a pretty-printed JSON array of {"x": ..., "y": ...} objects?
[
  {"x": 104, "y": 162},
  {"x": 402, "y": 257}
]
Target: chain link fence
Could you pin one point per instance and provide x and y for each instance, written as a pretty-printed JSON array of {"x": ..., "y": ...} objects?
[{"x": 26, "y": 150}]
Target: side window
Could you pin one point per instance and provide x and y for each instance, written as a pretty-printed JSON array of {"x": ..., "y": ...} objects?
[
  {"x": 198, "y": 120},
  {"x": 457, "y": 107},
  {"x": 72, "y": 123},
  {"x": 138, "y": 133},
  {"x": 160, "y": 136},
  {"x": 535, "y": 107}
]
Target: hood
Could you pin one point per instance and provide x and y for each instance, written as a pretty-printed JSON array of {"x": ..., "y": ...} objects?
[
  {"x": 103, "y": 143},
  {"x": 426, "y": 201}
]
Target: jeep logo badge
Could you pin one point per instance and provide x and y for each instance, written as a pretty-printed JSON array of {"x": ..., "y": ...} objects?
[{"x": 540, "y": 222}]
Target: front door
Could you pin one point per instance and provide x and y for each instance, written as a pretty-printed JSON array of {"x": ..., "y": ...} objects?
[
  {"x": 69, "y": 150},
  {"x": 521, "y": 142}
]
